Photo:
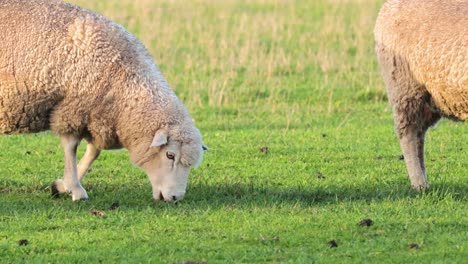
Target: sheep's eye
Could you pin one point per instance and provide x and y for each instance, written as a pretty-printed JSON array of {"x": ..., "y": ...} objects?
[{"x": 170, "y": 155}]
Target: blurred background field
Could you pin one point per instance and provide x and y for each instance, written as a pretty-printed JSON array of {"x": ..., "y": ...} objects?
[
  {"x": 289, "y": 99},
  {"x": 275, "y": 56}
]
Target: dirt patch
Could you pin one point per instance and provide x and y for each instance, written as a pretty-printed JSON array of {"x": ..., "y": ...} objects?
[
  {"x": 320, "y": 176},
  {"x": 264, "y": 150},
  {"x": 114, "y": 205},
  {"x": 97, "y": 213},
  {"x": 332, "y": 243},
  {"x": 366, "y": 222},
  {"x": 23, "y": 242},
  {"x": 413, "y": 246}
]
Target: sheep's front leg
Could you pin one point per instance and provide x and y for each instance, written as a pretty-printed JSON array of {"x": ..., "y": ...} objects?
[
  {"x": 70, "y": 182},
  {"x": 91, "y": 154}
]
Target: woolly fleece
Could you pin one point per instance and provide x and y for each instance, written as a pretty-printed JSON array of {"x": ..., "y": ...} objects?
[
  {"x": 422, "y": 48},
  {"x": 77, "y": 73}
]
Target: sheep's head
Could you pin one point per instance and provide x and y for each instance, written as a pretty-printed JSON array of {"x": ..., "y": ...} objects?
[{"x": 168, "y": 164}]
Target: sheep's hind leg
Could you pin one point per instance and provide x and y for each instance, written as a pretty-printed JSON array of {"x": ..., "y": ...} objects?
[
  {"x": 91, "y": 154},
  {"x": 429, "y": 119},
  {"x": 70, "y": 182},
  {"x": 410, "y": 126},
  {"x": 411, "y": 146}
]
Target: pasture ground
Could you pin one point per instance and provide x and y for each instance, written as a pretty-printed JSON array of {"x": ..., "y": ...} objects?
[{"x": 288, "y": 97}]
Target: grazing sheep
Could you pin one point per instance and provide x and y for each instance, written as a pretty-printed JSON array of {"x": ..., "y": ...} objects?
[
  {"x": 79, "y": 74},
  {"x": 422, "y": 48}
]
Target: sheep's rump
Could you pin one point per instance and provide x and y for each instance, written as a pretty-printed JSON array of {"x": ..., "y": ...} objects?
[
  {"x": 428, "y": 40},
  {"x": 57, "y": 63},
  {"x": 28, "y": 38}
]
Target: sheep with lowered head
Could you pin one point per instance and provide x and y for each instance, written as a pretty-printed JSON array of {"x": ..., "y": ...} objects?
[
  {"x": 79, "y": 74},
  {"x": 422, "y": 49}
]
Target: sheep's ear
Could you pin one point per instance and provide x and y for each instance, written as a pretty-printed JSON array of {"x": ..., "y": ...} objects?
[
  {"x": 204, "y": 147},
  {"x": 160, "y": 138}
]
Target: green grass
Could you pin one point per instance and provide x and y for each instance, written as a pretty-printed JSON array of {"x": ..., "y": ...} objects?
[{"x": 297, "y": 77}]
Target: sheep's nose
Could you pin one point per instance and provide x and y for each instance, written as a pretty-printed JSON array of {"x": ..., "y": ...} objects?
[
  {"x": 161, "y": 198},
  {"x": 169, "y": 198}
]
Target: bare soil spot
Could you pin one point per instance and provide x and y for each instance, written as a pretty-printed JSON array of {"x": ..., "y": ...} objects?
[
  {"x": 413, "y": 246},
  {"x": 320, "y": 176},
  {"x": 366, "y": 222},
  {"x": 332, "y": 243},
  {"x": 97, "y": 213},
  {"x": 264, "y": 150},
  {"x": 114, "y": 205},
  {"x": 23, "y": 242}
]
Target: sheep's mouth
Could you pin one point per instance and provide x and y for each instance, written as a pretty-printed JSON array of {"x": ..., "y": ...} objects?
[{"x": 170, "y": 199}]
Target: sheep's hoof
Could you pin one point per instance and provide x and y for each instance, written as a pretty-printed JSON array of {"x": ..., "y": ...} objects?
[
  {"x": 57, "y": 188},
  {"x": 79, "y": 195},
  {"x": 421, "y": 188},
  {"x": 81, "y": 199},
  {"x": 55, "y": 191}
]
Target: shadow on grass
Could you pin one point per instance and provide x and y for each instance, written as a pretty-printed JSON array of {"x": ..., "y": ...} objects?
[
  {"x": 200, "y": 196},
  {"x": 247, "y": 195}
]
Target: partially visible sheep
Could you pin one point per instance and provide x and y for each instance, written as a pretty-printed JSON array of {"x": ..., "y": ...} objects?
[
  {"x": 422, "y": 48},
  {"x": 83, "y": 76}
]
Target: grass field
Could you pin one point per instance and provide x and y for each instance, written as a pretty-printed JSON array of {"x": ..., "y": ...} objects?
[{"x": 289, "y": 99}]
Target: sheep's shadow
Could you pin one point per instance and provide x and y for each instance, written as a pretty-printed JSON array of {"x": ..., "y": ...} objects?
[
  {"x": 248, "y": 195},
  {"x": 199, "y": 196},
  {"x": 242, "y": 194}
]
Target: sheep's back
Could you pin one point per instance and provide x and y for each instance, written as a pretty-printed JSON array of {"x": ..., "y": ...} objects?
[{"x": 431, "y": 38}]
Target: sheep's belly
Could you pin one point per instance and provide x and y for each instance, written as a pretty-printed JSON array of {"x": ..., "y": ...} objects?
[
  {"x": 23, "y": 109},
  {"x": 453, "y": 103}
]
